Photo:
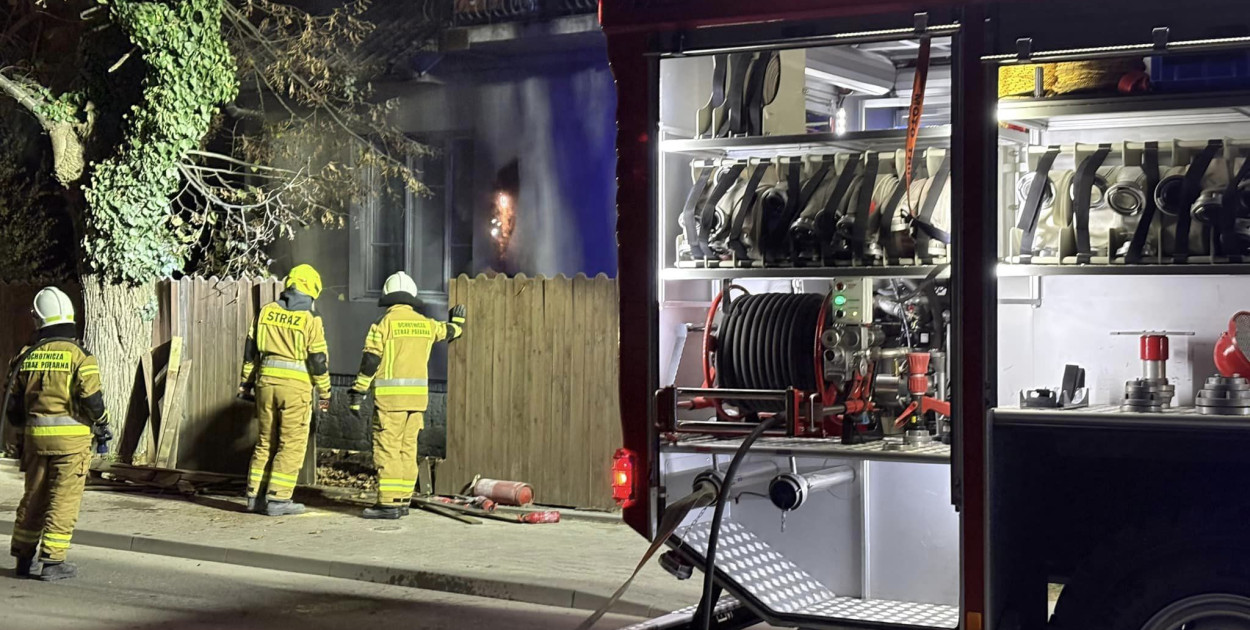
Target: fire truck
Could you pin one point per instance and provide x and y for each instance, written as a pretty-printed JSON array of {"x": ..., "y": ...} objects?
[{"x": 931, "y": 311}]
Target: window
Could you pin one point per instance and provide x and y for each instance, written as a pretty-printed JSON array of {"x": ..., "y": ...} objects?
[{"x": 429, "y": 235}]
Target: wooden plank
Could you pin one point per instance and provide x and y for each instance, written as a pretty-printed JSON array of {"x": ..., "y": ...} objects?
[
  {"x": 558, "y": 307},
  {"x": 577, "y": 405},
  {"x": 501, "y": 445},
  {"x": 459, "y": 385},
  {"x": 171, "y": 429},
  {"x": 608, "y": 420},
  {"x": 537, "y": 452},
  {"x": 592, "y": 418},
  {"x": 171, "y": 386}
]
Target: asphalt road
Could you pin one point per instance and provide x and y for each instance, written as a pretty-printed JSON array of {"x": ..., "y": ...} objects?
[{"x": 133, "y": 591}]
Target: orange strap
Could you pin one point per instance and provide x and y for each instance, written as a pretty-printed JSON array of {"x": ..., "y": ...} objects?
[{"x": 917, "y": 108}]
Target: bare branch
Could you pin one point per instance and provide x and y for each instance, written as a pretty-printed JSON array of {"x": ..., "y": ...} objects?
[
  {"x": 242, "y": 112},
  {"x": 113, "y": 68},
  {"x": 25, "y": 99},
  {"x": 249, "y": 165}
]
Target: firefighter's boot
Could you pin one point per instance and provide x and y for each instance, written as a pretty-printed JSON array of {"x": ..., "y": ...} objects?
[
  {"x": 389, "y": 512},
  {"x": 283, "y": 508},
  {"x": 28, "y": 567},
  {"x": 53, "y": 571},
  {"x": 256, "y": 504}
]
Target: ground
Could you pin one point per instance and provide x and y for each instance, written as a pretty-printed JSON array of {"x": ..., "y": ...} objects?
[
  {"x": 576, "y": 563},
  {"x": 119, "y": 589}
]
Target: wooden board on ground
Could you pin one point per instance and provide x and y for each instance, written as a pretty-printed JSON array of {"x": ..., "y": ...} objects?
[{"x": 166, "y": 478}]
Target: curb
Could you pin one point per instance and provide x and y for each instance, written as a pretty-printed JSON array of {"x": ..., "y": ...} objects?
[{"x": 445, "y": 582}]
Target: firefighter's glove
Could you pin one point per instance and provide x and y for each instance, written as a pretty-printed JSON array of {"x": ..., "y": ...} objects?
[
  {"x": 246, "y": 392},
  {"x": 354, "y": 400},
  {"x": 102, "y": 435},
  {"x": 457, "y": 320}
]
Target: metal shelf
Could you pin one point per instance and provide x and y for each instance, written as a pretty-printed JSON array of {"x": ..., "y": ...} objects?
[
  {"x": 1110, "y": 417},
  {"x": 1048, "y": 108},
  {"x": 1010, "y": 270},
  {"x": 856, "y": 141},
  {"x": 935, "y": 453},
  {"x": 789, "y": 273},
  {"x": 759, "y": 146}
]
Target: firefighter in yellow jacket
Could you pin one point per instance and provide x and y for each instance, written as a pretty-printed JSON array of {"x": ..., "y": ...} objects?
[
  {"x": 395, "y": 363},
  {"x": 284, "y": 359},
  {"x": 54, "y": 395}
]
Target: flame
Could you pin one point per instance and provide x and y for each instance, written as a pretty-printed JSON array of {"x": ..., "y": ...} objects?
[{"x": 504, "y": 221}]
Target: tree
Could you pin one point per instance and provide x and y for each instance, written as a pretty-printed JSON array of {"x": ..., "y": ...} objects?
[{"x": 165, "y": 168}]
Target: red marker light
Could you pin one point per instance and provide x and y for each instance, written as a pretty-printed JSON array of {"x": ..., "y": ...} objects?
[{"x": 624, "y": 463}]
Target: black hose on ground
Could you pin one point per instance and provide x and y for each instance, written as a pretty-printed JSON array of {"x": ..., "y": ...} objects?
[{"x": 706, "y": 605}]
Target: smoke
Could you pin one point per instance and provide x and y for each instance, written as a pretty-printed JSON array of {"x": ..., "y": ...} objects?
[{"x": 560, "y": 128}]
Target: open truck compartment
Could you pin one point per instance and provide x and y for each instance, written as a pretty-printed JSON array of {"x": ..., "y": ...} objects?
[
  {"x": 993, "y": 342},
  {"x": 1121, "y": 231},
  {"x": 803, "y": 274}
]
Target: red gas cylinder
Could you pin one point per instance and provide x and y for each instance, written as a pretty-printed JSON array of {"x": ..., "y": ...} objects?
[{"x": 504, "y": 492}]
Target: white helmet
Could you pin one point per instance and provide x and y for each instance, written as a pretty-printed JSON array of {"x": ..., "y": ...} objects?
[
  {"x": 53, "y": 307},
  {"x": 400, "y": 282}
]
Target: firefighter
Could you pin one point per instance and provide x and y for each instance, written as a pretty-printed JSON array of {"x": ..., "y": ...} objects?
[
  {"x": 284, "y": 360},
  {"x": 54, "y": 395},
  {"x": 397, "y": 353}
]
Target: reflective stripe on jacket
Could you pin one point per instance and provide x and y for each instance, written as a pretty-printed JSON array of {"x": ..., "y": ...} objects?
[
  {"x": 58, "y": 389},
  {"x": 287, "y": 345},
  {"x": 402, "y": 341}
]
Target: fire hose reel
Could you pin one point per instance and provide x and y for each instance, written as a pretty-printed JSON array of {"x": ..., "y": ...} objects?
[{"x": 822, "y": 364}]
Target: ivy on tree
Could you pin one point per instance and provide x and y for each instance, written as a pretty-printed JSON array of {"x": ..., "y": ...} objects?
[{"x": 190, "y": 71}]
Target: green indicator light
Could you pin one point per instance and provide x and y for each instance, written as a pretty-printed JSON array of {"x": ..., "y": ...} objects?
[{"x": 839, "y": 300}]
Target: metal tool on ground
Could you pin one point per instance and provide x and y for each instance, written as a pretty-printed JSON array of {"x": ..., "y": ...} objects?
[
  {"x": 1071, "y": 394},
  {"x": 549, "y": 516},
  {"x": 444, "y": 510},
  {"x": 1151, "y": 393}
]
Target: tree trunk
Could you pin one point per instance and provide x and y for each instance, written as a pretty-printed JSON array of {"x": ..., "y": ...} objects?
[{"x": 119, "y": 335}]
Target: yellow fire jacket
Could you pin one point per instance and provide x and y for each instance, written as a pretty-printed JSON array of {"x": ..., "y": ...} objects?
[
  {"x": 56, "y": 395},
  {"x": 286, "y": 343},
  {"x": 397, "y": 353}
]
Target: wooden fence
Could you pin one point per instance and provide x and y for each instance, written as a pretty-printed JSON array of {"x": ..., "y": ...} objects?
[
  {"x": 532, "y": 387},
  {"x": 211, "y": 316}
]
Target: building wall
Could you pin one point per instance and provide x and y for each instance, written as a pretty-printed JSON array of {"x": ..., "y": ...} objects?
[{"x": 556, "y": 116}]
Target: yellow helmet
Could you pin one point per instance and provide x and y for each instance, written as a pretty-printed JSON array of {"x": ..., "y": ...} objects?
[{"x": 306, "y": 280}]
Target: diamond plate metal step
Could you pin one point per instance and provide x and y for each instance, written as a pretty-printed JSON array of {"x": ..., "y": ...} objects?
[
  {"x": 782, "y": 593},
  {"x": 679, "y": 618}
]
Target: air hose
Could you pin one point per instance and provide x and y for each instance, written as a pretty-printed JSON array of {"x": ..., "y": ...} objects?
[
  {"x": 706, "y": 603},
  {"x": 766, "y": 341}
]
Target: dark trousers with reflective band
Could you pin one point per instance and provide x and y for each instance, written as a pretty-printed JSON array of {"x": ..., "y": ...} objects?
[
  {"x": 49, "y": 508},
  {"x": 283, "y": 415},
  {"x": 395, "y": 454}
]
